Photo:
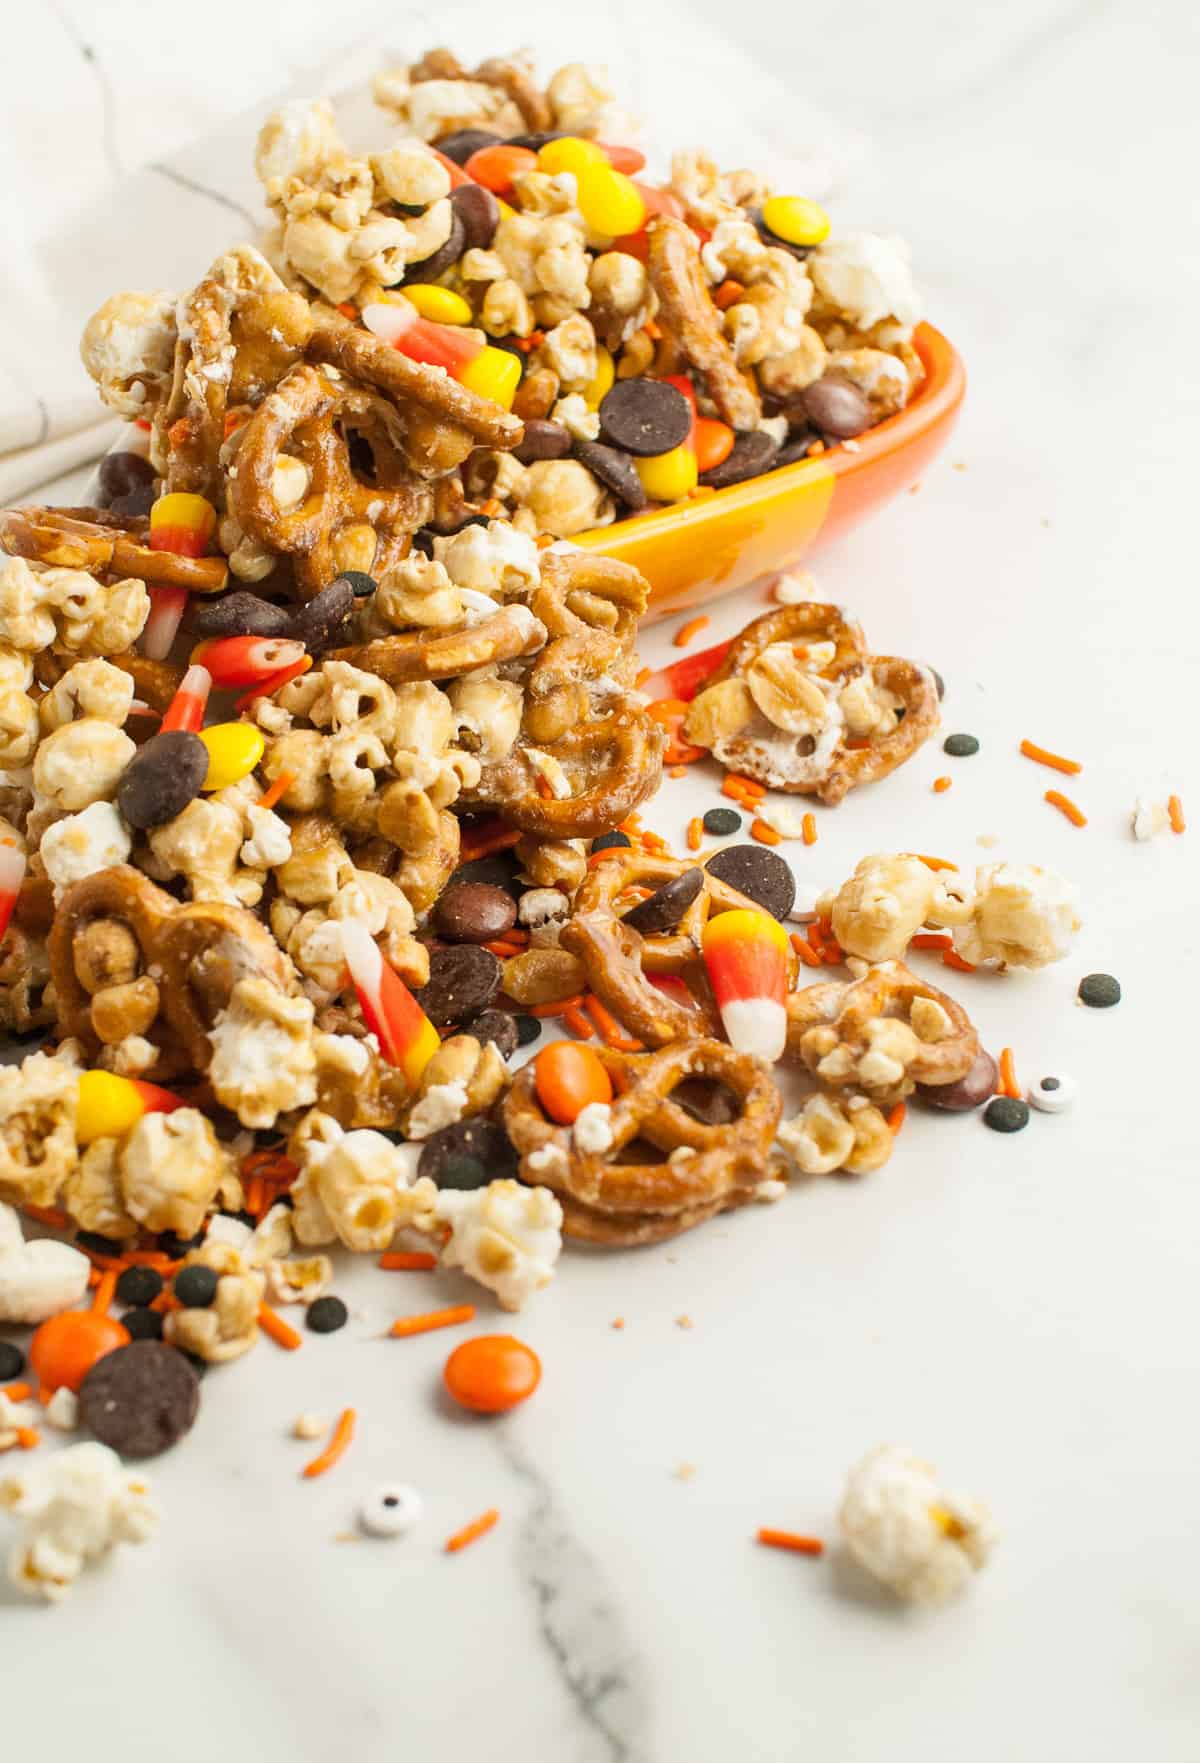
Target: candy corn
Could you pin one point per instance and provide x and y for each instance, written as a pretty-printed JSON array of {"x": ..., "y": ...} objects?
[
  {"x": 406, "y": 1036},
  {"x": 683, "y": 679},
  {"x": 167, "y": 607},
  {"x": 109, "y": 1105},
  {"x": 274, "y": 682},
  {"x": 746, "y": 954},
  {"x": 12, "y": 874},
  {"x": 187, "y": 707},
  {"x": 492, "y": 373},
  {"x": 182, "y": 523},
  {"x": 246, "y": 661}
]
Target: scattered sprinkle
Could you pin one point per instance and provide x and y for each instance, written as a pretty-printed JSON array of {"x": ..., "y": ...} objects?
[
  {"x": 896, "y": 1117},
  {"x": 1008, "y": 1074},
  {"x": 686, "y": 632},
  {"x": 1065, "y": 806},
  {"x": 471, "y": 1533},
  {"x": 809, "y": 829},
  {"x": 764, "y": 833},
  {"x": 1055, "y": 761},
  {"x": 941, "y": 785},
  {"x": 405, "y": 1326},
  {"x": 788, "y": 1539},
  {"x": 1175, "y": 812},
  {"x": 952, "y": 958},
  {"x": 407, "y": 1261},
  {"x": 281, "y": 1332},
  {"x": 617, "y": 1322},
  {"x": 274, "y": 792},
  {"x": 342, "y": 1434},
  {"x": 695, "y": 833}
]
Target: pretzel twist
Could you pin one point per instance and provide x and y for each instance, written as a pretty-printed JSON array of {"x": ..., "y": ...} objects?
[
  {"x": 829, "y": 1029},
  {"x": 692, "y": 324},
  {"x": 96, "y": 540},
  {"x": 612, "y": 763}
]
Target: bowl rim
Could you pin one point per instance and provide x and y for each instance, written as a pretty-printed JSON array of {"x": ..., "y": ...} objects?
[{"x": 936, "y": 399}]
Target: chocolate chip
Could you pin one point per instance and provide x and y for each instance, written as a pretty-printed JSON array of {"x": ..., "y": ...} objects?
[
  {"x": 795, "y": 447},
  {"x": 326, "y": 1315},
  {"x": 645, "y": 417},
  {"x": 137, "y": 504},
  {"x": 538, "y": 139},
  {"x": 666, "y": 905},
  {"x": 493, "y": 872},
  {"x": 616, "y": 471},
  {"x": 468, "y": 1154},
  {"x": 12, "y": 1361},
  {"x": 240, "y": 614},
  {"x": 195, "y": 1286},
  {"x": 479, "y": 215},
  {"x": 529, "y": 1030},
  {"x": 143, "y": 1325},
  {"x": 463, "y": 980},
  {"x": 971, "y": 1091},
  {"x": 1100, "y": 991},
  {"x": 753, "y": 451},
  {"x": 960, "y": 746},
  {"x": 473, "y": 912},
  {"x": 444, "y": 258},
  {"x": 720, "y": 822},
  {"x": 139, "y": 1285},
  {"x": 1006, "y": 1114},
  {"x": 836, "y": 407},
  {"x": 140, "y": 1400},
  {"x": 759, "y": 874},
  {"x": 543, "y": 440},
  {"x": 362, "y": 585},
  {"x": 318, "y": 623},
  {"x": 459, "y": 144},
  {"x": 611, "y": 842},
  {"x": 499, "y": 1028},
  {"x": 162, "y": 778},
  {"x": 122, "y": 474}
]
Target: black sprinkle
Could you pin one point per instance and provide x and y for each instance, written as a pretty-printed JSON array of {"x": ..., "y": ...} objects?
[
  {"x": 1006, "y": 1114},
  {"x": 1049, "y": 1083},
  {"x": 607, "y": 841},
  {"x": 326, "y": 1315},
  {"x": 960, "y": 746},
  {"x": 720, "y": 822},
  {"x": 528, "y": 1030},
  {"x": 196, "y": 1287},
  {"x": 143, "y": 1325},
  {"x": 12, "y": 1361},
  {"x": 1100, "y": 991},
  {"x": 139, "y": 1285}
]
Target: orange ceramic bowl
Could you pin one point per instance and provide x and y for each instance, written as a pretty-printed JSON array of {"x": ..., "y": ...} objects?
[{"x": 695, "y": 550}]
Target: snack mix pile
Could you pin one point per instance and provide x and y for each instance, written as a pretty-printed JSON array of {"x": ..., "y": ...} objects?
[{"x": 283, "y": 911}]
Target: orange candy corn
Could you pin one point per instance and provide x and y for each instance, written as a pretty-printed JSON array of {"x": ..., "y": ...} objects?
[{"x": 746, "y": 954}]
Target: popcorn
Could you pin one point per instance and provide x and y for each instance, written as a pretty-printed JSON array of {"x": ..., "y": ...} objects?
[
  {"x": 462, "y": 1079},
  {"x": 79, "y": 845},
  {"x": 37, "y": 1128},
  {"x": 81, "y": 763},
  {"x": 37, "y": 1279},
  {"x": 881, "y": 908},
  {"x": 92, "y": 1193},
  {"x": 128, "y": 348},
  {"x": 830, "y": 1133},
  {"x": 228, "y": 1327},
  {"x": 868, "y": 277},
  {"x": 88, "y": 688},
  {"x": 263, "y": 1061},
  {"x": 1023, "y": 917},
  {"x": 355, "y": 1187},
  {"x": 69, "y": 608},
  {"x": 570, "y": 352},
  {"x": 908, "y": 1531},
  {"x": 172, "y": 1171},
  {"x": 564, "y": 498},
  {"x": 506, "y": 1236},
  {"x": 495, "y": 559},
  {"x": 75, "y": 1508}
]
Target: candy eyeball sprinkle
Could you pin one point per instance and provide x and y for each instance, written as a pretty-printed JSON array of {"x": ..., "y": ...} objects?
[
  {"x": 390, "y": 1510},
  {"x": 1053, "y": 1095}
]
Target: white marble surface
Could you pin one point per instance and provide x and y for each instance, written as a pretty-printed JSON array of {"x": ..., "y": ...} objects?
[{"x": 1020, "y": 1309}]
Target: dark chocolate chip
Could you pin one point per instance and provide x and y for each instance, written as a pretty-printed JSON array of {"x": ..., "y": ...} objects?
[
  {"x": 318, "y": 623},
  {"x": 137, "y": 504},
  {"x": 971, "y": 1091},
  {"x": 611, "y": 842},
  {"x": 12, "y": 1361},
  {"x": 794, "y": 448},
  {"x": 362, "y": 585},
  {"x": 529, "y": 1030},
  {"x": 326, "y": 1315},
  {"x": 463, "y": 980},
  {"x": 479, "y": 215},
  {"x": 538, "y": 139},
  {"x": 140, "y": 1399},
  {"x": 836, "y": 406},
  {"x": 459, "y": 144},
  {"x": 139, "y": 1285},
  {"x": 473, "y": 912},
  {"x": 753, "y": 451},
  {"x": 1006, "y": 1114},
  {"x": 468, "y": 1154},
  {"x": 143, "y": 1325},
  {"x": 645, "y": 417},
  {"x": 497, "y": 1027},
  {"x": 720, "y": 822},
  {"x": 444, "y": 258},
  {"x": 666, "y": 905},
  {"x": 175, "y": 1247},
  {"x": 240, "y": 614},
  {"x": 499, "y": 871},
  {"x": 91, "y": 1239},
  {"x": 121, "y": 474},
  {"x": 543, "y": 440},
  {"x": 758, "y": 873},
  {"x": 960, "y": 746},
  {"x": 195, "y": 1287},
  {"x": 616, "y": 471},
  {"x": 162, "y": 778},
  {"x": 1100, "y": 991}
]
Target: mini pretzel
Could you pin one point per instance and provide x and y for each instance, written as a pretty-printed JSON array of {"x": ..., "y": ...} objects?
[
  {"x": 305, "y": 417},
  {"x": 438, "y": 422},
  {"x": 581, "y": 594},
  {"x": 95, "y": 540},
  {"x": 835, "y": 768},
  {"x": 689, "y": 319},
  {"x": 626, "y": 1202},
  {"x": 617, "y": 958},
  {"x": 828, "y": 1028},
  {"x": 125, "y": 896},
  {"x": 203, "y": 949},
  {"x": 508, "y": 76},
  {"x": 419, "y": 655},
  {"x": 155, "y": 682},
  {"x": 612, "y": 763}
]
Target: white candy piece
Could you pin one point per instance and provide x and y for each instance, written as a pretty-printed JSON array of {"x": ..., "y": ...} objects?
[
  {"x": 391, "y": 1510},
  {"x": 38, "y": 1279},
  {"x": 1053, "y": 1095}
]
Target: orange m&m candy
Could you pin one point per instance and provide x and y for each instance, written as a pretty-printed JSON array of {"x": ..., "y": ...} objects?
[
  {"x": 492, "y": 1373},
  {"x": 567, "y": 1077},
  {"x": 65, "y": 1347}
]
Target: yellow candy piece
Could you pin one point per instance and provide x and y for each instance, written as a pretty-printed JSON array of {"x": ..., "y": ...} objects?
[
  {"x": 609, "y": 202},
  {"x": 667, "y": 477},
  {"x": 570, "y": 153},
  {"x": 506, "y": 210},
  {"x": 234, "y": 749},
  {"x": 442, "y": 305},
  {"x": 795, "y": 219},
  {"x": 108, "y": 1106},
  {"x": 493, "y": 373},
  {"x": 602, "y": 384},
  {"x": 183, "y": 512}
]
